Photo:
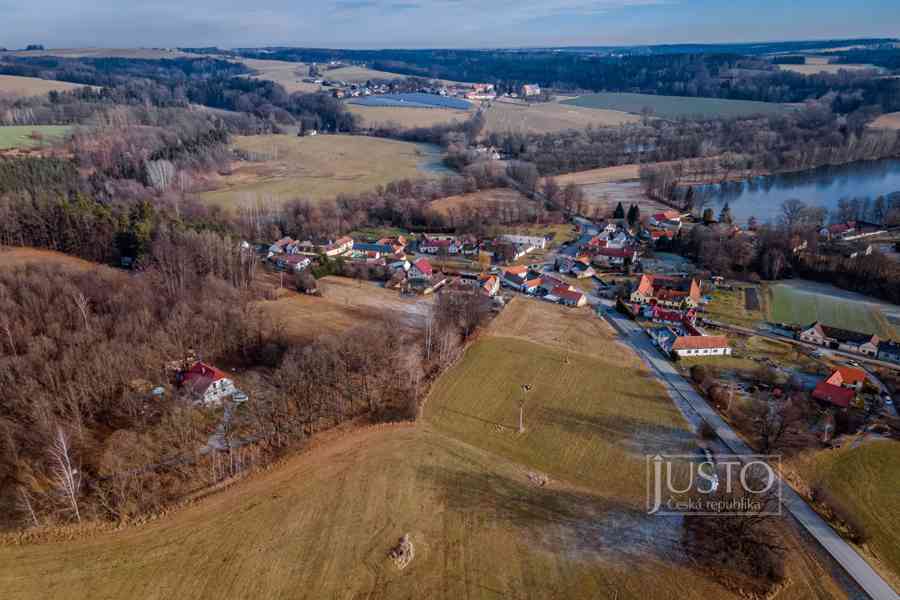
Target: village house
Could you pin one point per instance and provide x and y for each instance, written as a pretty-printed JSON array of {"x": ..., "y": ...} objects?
[
  {"x": 568, "y": 297},
  {"x": 338, "y": 247},
  {"x": 206, "y": 383},
  {"x": 700, "y": 345},
  {"x": 421, "y": 270},
  {"x": 840, "y": 339},
  {"x": 490, "y": 284},
  {"x": 667, "y": 219},
  {"x": 889, "y": 350},
  {"x": 291, "y": 262},
  {"x": 833, "y": 394},
  {"x": 530, "y": 241},
  {"x": 370, "y": 250},
  {"x": 614, "y": 257},
  {"x": 530, "y": 89},
  {"x": 439, "y": 245},
  {"x": 280, "y": 246},
  {"x": 847, "y": 377},
  {"x": 671, "y": 292}
]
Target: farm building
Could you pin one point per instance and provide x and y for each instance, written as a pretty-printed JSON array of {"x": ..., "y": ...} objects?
[
  {"x": 671, "y": 292},
  {"x": 421, "y": 270},
  {"x": 847, "y": 377},
  {"x": 532, "y": 241},
  {"x": 614, "y": 257},
  {"x": 207, "y": 383},
  {"x": 569, "y": 297},
  {"x": 841, "y": 339},
  {"x": 833, "y": 394}
]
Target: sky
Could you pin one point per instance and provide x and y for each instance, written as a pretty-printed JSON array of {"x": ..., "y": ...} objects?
[{"x": 434, "y": 23}]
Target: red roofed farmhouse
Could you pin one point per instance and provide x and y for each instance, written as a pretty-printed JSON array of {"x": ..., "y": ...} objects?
[
  {"x": 833, "y": 394},
  {"x": 671, "y": 292},
  {"x": 421, "y": 269},
  {"x": 701, "y": 345},
  {"x": 207, "y": 383}
]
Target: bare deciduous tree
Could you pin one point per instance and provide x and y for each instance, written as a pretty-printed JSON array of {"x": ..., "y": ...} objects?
[{"x": 65, "y": 475}]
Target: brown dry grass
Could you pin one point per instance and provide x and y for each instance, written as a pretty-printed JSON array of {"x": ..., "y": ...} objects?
[
  {"x": 887, "y": 121},
  {"x": 344, "y": 304},
  {"x": 604, "y": 188},
  {"x": 547, "y": 117},
  {"x": 495, "y": 197},
  {"x": 354, "y": 74},
  {"x": 12, "y": 85},
  {"x": 284, "y": 73},
  {"x": 19, "y": 257},
  {"x": 407, "y": 117},
  {"x": 318, "y": 167}
]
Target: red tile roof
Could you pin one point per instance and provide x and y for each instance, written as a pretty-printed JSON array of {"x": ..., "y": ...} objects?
[
  {"x": 566, "y": 294},
  {"x": 834, "y": 394},
  {"x": 424, "y": 266},
  {"x": 700, "y": 342},
  {"x": 847, "y": 376}
]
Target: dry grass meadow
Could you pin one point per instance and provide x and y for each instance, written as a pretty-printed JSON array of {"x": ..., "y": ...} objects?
[
  {"x": 19, "y": 257},
  {"x": 819, "y": 64},
  {"x": 344, "y": 304},
  {"x": 354, "y": 74},
  {"x": 862, "y": 476},
  {"x": 288, "y": 74},
  {"x": 406, "y": 117},
  {"x": 498, "y": 198},
  {"x": 23, "y": 137},
  {"x": 548, "y": 117},
  {"x": 887, "y": 121},
  {"x": 604, "y": 188},
  {"x": 318, "y": 167},
  {"x": 13, "y": 85}
]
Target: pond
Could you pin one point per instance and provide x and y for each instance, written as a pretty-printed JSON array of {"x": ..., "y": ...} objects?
[{"x": 762, "y": 197}]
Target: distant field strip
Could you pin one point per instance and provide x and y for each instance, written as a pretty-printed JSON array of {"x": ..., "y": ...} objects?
[
  {"x": 671, "y": 107},
  {"x": 23, "y": 136},
  {"x": 412, "y": 100},
  {"x": 32, "y": 86},
  {"x": 801, "y": 307}
]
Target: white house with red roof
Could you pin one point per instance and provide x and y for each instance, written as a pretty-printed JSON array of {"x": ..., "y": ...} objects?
[
  {"x": 207, "y": 383},
  {"x": 421, "y": 269}
]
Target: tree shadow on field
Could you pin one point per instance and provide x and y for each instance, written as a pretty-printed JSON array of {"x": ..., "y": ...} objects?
[
  {"x": 633, "y": 435},
  {"x": 577, "y": 525}
]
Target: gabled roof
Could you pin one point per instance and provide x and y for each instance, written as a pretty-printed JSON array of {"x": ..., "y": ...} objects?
[
  {"x": 842, "y": 335},
  {"x": 423, "y": 266},
  {"x": 700, "y": 342},
  {"x": 567, "y": 294},
  {"x": 519, "y": 271},
  {"x": 626, "y": 252},
  {"x": 847, "y": 376},
  {"x": 834, "y": 394}
]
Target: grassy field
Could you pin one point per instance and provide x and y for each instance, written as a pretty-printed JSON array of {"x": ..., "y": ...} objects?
[
  {"x": 801, "y": 303},
  {"x": 21, "y": 136},
  {"x": 320, "y": 524},
  {"x": 729, "y": 306},
  {"x": 820, "y": 64},
  {"x": 19, "y": 256},
  {"x": 604, "y": 188},
  {"x": 546, "y": 117},
  {"x": 12, "y": 85},
  {"x": 344, "y": 304},
  {"x": 864, "y": 479},
  {"x": 318, "y": 167},
  {"x": 406, "y": 116},
  {"x": 354, "y": 74},
  {"x": 498, "y": 198},
  {"x": 289, "y": 74},
  {"x": 562, "y": 232},
  {"x": 672, "y": 107},
  {"x": 887, "y": 121}
]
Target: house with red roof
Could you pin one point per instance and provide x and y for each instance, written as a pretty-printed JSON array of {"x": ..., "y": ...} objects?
[
  {"x": 671, "y": 292},
  {"x": 848, "y": 377},
  {"x": 421, "y": 269},
  {"x": 206, "y": 383},
  {"x": 490, "y": 284},
  {"x": 833, "y": 394},
  {"x": 568, "y": 296},
  {"x": 613, "y": 257},
  {"x": 700, "y": 345}
]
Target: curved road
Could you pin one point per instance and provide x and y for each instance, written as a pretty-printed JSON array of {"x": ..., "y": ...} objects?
[{"x": 683, "y": 393}]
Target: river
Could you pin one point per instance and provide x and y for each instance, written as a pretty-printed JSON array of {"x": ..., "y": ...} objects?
[{"x": 762, "y": 197}]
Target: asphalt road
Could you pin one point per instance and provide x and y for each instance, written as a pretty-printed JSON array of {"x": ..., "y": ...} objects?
[{"x": 684, "y": 394}]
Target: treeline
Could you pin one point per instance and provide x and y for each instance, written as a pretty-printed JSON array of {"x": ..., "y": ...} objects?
[
  {"x": 800, "y": 140},
  {"x": 685, "y": 73},
  {"x": 166, "y": 83},
  {"x": 107, "y": 434}
]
